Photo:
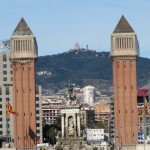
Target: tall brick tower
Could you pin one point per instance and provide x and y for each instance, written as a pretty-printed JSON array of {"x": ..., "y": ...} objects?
[
  {"x": 124, "y": 52},
  {"x": 23, "y": 56}
]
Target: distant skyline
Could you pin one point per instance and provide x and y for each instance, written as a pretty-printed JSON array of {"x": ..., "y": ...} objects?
[{"x": 59, "y": 24}]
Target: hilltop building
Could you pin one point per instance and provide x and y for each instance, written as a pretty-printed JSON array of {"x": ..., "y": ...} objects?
[
  {"x": 23, "y": 56},
  {"x": 124, "y": 52}
]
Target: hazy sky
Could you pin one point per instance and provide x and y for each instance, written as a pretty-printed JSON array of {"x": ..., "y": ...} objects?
[{"x": 58, "y": 24}]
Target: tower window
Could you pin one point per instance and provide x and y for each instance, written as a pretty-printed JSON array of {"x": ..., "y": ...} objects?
[
  {"x": 119, "y": 111},
  {"x": 125, "y": 87},
  {"x": 126, "y": 111}
]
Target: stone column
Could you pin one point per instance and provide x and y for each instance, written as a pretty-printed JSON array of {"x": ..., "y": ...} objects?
[
  {"x": 78, "y": 123},
  {"x": 66, "y": 125},
  {"x": 62, "y": 124},
  {"x": 75, "y": 126}
]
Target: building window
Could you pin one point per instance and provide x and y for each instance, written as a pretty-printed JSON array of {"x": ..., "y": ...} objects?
[
  {"x": 7, "y": 90},
  {"x": 7, "y": 99},
  {"x": 37, "y": 98},
  {"x": 1, "y": 125},
  {"x": 37, "y": 131},
  {"x": 4, "y": 72},
  {"x": 0, "y": 112},
  {"x": 37, "y": 118},
  {"x": 4, "y": 66},
  {"x": 37, "y": 105},
  {"x": 1, "y": 119},
  {"x": 0, "y": 105},
  {"x": 0, "y": 99},
  {"x": 37, "y": 125},
  {"x": 37, "y": 111},
  {"x": 4, "y": 57},
  {"x": 0, "y": 90},
  {"x": 1, "y": 132},
  {"x": 37, "y": 90},
  {"x": 4, "y": 78}
]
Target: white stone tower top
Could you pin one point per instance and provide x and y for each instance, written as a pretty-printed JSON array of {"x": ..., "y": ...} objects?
[
  {"x": 124, "y": 40},
  {"x": 23, "y": 43}
]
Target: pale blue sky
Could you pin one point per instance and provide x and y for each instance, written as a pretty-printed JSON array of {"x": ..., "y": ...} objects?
[{"x": 58, "y": 24}]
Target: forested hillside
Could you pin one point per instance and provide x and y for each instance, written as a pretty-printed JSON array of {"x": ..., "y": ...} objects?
[{"x": 83, "y": 68}]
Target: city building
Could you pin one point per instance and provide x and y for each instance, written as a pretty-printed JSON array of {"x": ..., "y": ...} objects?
[
  {"x": 6, "y": 95},
  {"x": 51, "y": 110},
  {"x": 39, "y": 127},
  {"x": 143, "y": 114},
  {"x": 89, "y": 94},
  {"x": 124, "y": 52},
  {"x": 87, "y": 115},
  {"x": 23, "y": 56},
  {"x": 112, "y": 122},
  {"x": 102, "y": 114},
  {"x": 94, "y": 135}
]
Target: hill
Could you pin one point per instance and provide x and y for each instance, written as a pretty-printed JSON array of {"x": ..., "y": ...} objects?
[{"x": 82, "y": 68}]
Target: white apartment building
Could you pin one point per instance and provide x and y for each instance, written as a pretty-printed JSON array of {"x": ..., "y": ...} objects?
[
  {"x": 39, "y": 130},
  {"x": 89, "y": 94},
  {"x": 51, "y": 110},
  {"x": 6, "y": 95},
  {"x": 95, "y": 134}
]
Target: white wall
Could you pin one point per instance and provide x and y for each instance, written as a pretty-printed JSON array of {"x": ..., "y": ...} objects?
[{"x": 95, "y": 134}]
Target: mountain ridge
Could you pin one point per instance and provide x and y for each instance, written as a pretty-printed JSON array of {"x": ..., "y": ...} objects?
[{"x": 83, "y": 68}]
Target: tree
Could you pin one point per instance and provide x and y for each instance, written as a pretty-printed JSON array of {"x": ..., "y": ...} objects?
[{"x": 52, "y": 132}]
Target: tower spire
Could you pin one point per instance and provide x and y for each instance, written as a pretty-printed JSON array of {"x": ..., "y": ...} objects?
[
  {"x": 22, "y": 28},
  {"x": 123, "y": 26}
]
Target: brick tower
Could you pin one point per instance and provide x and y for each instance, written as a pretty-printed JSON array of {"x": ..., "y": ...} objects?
[
  {"x": 23, "y": 56},
  {"x": 124, "y": 52}
]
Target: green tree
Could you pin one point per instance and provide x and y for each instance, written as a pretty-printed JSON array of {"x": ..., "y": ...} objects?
[
  {"x": 52, "y": 135},
  {"x": 95, "y": 148}
]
